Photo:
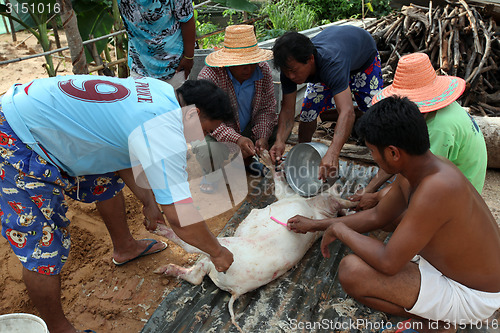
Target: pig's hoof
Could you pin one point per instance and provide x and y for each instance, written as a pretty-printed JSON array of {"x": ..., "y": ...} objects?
[
  {"x": 161, "y": 270},
  {"x": 171, "y": 270},
  {"x": 163, "y": 230}
]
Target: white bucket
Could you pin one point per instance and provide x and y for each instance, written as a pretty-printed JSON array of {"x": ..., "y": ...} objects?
[{"x": 22, "y": 323}]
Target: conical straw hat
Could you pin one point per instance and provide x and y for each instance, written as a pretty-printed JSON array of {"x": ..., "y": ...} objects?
[
  {"x": 240, "y": 48},
  {"x": 416, "y": 79}
]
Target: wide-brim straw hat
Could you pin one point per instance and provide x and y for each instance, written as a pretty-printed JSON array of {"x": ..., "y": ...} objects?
[
  {"x": 240, "y": 48},
  {"x": 416, "y": 79}
]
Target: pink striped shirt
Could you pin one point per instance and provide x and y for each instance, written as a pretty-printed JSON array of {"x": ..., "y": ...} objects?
[{"x": 264, "y": 117}]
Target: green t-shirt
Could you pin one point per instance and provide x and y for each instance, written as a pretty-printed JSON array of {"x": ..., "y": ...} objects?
[{"x": 455, "y": 135}]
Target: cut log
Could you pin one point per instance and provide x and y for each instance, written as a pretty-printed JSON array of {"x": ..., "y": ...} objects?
[
  {"x": 461, "y": 39},
  {"x": 493, "y": 98},
  {"x": 352, "y": 152},
  {"x": 490, "y": 126}
]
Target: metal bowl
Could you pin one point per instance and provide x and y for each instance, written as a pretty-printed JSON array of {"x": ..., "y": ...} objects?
[{"x": 301, "y": 168}]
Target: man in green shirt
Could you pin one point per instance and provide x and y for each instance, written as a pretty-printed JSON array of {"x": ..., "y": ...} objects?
[{"x": 453, "y": 133}]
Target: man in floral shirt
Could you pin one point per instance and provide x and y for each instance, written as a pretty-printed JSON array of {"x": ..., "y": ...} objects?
[
  {"x": 339, "y": 62},
  {"x": 161, "y": 38}
]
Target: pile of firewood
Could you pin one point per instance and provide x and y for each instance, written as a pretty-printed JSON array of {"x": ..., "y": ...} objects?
[{"x": 460, "y": 39}]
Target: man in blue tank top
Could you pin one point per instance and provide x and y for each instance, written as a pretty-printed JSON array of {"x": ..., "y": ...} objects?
[
  {"x": 338, "y": 63},
  {"x": 86, "y": 137}
]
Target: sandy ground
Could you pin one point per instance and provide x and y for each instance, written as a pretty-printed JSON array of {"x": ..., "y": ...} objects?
[{"x": 96, "y": 294}]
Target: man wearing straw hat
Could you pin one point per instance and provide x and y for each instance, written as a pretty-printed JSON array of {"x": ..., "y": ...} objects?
[
  {"x": 241, "y": 70},
  {"x": 339, "y": 62},
  {"x": 453, "y": 133},
  {"x": 442, "y": 262}
]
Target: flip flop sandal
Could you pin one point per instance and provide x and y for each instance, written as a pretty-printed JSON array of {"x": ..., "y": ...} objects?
[{"x": 143, "y": 253}]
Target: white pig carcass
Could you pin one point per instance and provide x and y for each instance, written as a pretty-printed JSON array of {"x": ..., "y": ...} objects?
[{"x": 263, "y": 249}]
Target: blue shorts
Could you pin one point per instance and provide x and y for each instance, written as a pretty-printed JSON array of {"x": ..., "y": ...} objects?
[
  {"x": 364, "y": 85},
  {"x": 33, "y": 206}
]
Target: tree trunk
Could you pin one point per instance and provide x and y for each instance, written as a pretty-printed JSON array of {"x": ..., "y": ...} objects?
[
  {"x": 70, "y": 26},
  {"x": 12, "y": 30},
  {"x": 490, "y": 126},
  {"x": 119, "y": 41}
]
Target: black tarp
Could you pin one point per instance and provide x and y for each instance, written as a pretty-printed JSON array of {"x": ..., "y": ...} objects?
[{"x": 308, "y": 298}]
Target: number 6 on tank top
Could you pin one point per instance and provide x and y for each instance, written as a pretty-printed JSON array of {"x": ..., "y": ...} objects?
[{"x": 96, "y": 91}]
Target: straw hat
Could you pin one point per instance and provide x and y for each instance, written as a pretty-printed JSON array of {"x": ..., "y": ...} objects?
[
  {"x": 416, "y": 79},
  {"x": 240, "y": 48}
]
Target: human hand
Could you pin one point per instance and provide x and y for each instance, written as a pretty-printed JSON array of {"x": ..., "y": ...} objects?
[
  {"x": 300, "y": 224},
  {"x": 329, "y": 166},
  {"x": 223, "y": 260},
  {"x": 328, "y": 237},
  {"x": 366, "y": 200},
  {"x": 277, "y": 151},
  {"x": 152, "y": 216},
  {"x": 185, "y": 65},
  {"x": 246, "y": 146},
  {"x": 261, "y": 145}
]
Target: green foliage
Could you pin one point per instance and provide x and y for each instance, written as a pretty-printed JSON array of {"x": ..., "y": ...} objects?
[
  {"x": 265, "y": 34},
  {"x": 95, "y": 19},
  {"x": 284, "y": 15},
  {"x": 298, "y": 15},
  {"x": 234, "y": 13},
  {"x": 243, "y": 5},
  {"x": 231, "y": 13},
  {"x": 40, "y": 13},
  {"x": 289, "y": 15},
  {"x": 203, "y": 28},
  {"x": 334, "y": 10}
]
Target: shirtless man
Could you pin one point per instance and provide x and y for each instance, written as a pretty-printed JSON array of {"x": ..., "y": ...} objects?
[{"x": 442, "y": 262}]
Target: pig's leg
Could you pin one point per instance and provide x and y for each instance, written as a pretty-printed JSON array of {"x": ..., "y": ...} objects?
[
  {"x": 169, "y": 234},
  {"x": 193, "y": 274},
  {"x": 231, "y": 312},
  {"x": 327, "y": 204},
  {"x": 281, "y": 188}
]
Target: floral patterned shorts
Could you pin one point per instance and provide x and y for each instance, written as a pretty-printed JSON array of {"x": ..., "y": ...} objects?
[
  {"x": 32, "y": 203},
  {"x": 364, "y": 85}
]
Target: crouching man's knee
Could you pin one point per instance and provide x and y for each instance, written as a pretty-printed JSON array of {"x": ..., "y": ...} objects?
[{"x": 352, "y": 275}]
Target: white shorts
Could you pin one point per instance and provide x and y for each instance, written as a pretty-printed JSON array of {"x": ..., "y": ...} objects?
[
  {"x": 175, "y": 81},
  {"x": 441, "y": 298}
]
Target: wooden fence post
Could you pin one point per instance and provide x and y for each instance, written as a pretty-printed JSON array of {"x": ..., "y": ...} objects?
[{"x": 70, "y": 26}]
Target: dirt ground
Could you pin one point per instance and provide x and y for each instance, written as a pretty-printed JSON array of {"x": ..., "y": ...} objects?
[{"x": 96, "y": 294}]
